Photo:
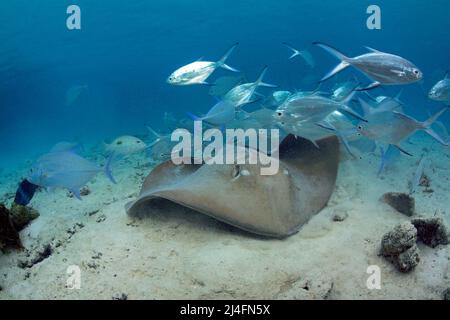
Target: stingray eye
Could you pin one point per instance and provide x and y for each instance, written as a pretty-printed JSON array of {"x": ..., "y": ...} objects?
[
  {"x": 138, "y": 141},
  {"x": 236, "y": 171},
  {"x": 119, "y": 142},
  {"x": 279, "y": 114}
]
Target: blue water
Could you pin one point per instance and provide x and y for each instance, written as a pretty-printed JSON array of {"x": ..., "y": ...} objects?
[{"x": 126, "y": 50}]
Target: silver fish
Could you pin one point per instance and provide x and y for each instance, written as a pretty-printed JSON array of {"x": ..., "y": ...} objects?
[
  {"x": 309, "y": 109},
  {"x": 383, "y": 68},
  {"x": 66, "y": 170},
  {"x": 224, "y": 84},
  {"x": 243, "y": 94},
  {"x": 441, "y": 90},
  {"x": 393, "y": 127},
  {"x": 306, "y": 55},
  {"x": 197, "y": 72}
]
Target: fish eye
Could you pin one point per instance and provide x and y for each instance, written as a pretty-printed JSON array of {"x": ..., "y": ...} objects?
[{"x": 416, "y": 71}]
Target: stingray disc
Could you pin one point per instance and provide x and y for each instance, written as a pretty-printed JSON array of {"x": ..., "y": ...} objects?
[{"x": 270, "y": 205}]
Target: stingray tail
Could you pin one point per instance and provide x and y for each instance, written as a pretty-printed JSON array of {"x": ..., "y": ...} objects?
[
  {"x": 221, "y": 63},
  {"x": 345, "y": 61}
]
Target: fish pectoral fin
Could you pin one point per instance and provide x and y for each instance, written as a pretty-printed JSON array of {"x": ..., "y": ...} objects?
[
  {"x": 371, "y": 86},
  {"x": 76, "y": 193},
  {"x": 207, "y": 84},
  {"x": 402, "y": 150}
]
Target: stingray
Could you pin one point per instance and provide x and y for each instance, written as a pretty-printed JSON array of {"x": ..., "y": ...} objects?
[{"x": 268, "y": 205}]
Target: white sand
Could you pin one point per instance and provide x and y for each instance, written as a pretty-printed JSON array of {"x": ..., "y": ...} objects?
[{"x": 184, "y": 255}]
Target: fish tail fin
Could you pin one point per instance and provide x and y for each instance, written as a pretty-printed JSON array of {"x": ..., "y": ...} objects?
[
  {"x": 426, "y": 126},
  {"x": 328, "y": 126},
  {"x": 308, "y": 58},
  {"x": 397, "y": 97},
  {"x": 108, "y": 171},
  {"x": 193, "y": 116},
  {"x": 436, "y": 136},
  {"x": 260, "y": 83},
  {"x": 427, "y": 123},
  {"x": 221, "y": 63},
  {"x": 345, "y": 61},
  {"x": 295, "y": 52}
]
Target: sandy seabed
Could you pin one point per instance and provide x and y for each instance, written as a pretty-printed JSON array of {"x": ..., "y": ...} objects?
[{"x": 185, "y": 255}]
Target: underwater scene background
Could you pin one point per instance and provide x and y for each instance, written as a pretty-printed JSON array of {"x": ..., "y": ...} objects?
[
  {"x": 125, "y": 52},
  {"x": 355, "y": 220}
]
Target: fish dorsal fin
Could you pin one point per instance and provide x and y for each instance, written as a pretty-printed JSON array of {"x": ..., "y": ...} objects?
[
  {"x": 372, "y": 49},
  {"x": 406, "y": 117},
  {"x": 153, "y": 132},
  {"x": 367, "y": 108}
]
